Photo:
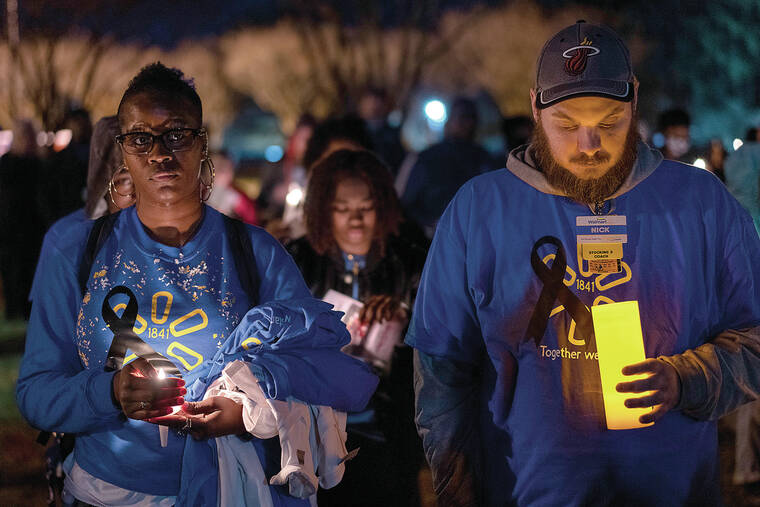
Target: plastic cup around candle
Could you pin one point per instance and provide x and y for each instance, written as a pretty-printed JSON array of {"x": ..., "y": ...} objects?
[
  {"x": 620, "y": 343},
  {"x": 163, "y": 431}
]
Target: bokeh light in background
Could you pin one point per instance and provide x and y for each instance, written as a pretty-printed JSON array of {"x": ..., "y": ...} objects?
[
  {"x": 6, "y": 138},
  {"x": 273, "y": 153},
  {"x": 435, "y": 112},
  {"x": 62, "y": 139},
  {"x": 294, "y": 197}
]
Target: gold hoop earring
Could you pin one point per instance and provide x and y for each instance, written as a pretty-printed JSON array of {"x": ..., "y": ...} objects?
[
  {"x": 206, "y": 188},
  {"x": 112, "y": 189},
  {"x": 112, "y": 186}
]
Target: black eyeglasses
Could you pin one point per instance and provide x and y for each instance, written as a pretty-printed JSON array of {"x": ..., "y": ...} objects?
[{"x": 141, "y": 143}]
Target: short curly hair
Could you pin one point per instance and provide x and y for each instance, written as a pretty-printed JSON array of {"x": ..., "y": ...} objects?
[
  {"x": 161, "y": 81},
  {"x": 320, "y": 194}
]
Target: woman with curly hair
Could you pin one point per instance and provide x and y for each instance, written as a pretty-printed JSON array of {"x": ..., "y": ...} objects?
[{"x": 352, "y": 246}]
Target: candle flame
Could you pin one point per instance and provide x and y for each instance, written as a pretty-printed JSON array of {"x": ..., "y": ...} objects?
[{"x": 161, "y": 373}]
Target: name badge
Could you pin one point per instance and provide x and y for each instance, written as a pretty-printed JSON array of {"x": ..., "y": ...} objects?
[
  {"x": 602, "y": 229},
  {"x": 600, "y": 241}
]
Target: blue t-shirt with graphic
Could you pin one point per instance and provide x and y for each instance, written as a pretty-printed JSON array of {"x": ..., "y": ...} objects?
[
  {"x": 189, "y": 301},
  {"x": 691, "y": 261}
]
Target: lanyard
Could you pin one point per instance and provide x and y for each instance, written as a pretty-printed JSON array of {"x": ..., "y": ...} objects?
[{"x": 353, "y": 264}]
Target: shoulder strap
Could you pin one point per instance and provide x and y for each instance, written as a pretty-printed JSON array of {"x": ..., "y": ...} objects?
[
  {"x": 99, "y": 233},
  {"x": 242, "y": 253}
]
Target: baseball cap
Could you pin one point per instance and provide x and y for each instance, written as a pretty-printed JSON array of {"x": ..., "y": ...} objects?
[{"x": 583, "y": 59}]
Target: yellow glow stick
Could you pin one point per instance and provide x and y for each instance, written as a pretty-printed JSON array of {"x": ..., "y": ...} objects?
[{"x": 619, "y": 342}]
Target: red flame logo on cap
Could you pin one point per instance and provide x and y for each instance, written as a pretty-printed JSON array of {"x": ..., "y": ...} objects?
[{"x": 576, "y": 57}]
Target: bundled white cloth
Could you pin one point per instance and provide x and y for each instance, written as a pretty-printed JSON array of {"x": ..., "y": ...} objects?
[{"x": 312, "y": 438}]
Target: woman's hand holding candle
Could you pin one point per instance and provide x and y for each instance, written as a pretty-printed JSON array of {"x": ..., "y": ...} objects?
[
  {"x": 663, "y": 388},
  {"x": 142, "y": 394},
  {"x": 214, "y": 417}
]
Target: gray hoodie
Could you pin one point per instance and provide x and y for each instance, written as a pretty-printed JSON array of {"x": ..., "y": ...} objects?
[{"x": 522, "y": 164}]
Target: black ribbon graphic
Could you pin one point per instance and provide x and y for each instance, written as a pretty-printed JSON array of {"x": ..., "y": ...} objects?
[
  {"x": 125, "y": 338},
  {"x": 555, "y": 288}
]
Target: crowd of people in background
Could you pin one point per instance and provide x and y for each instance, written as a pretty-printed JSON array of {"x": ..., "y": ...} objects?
[
  {"x": 356, "y": 211},
  {"x": 39, "y": 185}
]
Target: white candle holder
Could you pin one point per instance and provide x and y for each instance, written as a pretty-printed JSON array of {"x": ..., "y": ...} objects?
[{"x": 163, "y": 431}]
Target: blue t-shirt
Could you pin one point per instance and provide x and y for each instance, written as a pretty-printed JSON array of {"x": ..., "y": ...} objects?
[
  {"x": 190, "y": 299},
  {"x": 691, "y": 261}
]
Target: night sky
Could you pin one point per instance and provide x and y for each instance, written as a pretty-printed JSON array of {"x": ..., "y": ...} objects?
[{"x": 165, "y": 23}]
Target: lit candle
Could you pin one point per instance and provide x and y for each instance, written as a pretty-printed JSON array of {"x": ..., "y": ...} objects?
[
  {"x": 163, "y": 431},
  {"x": 620, "y": 343}
]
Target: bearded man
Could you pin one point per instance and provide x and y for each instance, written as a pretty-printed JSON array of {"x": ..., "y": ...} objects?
[{"x": 509, "y": 395}]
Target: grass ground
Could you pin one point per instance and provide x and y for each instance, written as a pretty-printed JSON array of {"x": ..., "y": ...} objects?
[
  {"x": 21, "y": 458},
  {"x": 22, "y": 480},
  {"x": 11, "y": 335}
]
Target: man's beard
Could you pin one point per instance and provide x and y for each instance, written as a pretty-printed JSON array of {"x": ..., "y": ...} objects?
[{"x": 588, "y": 191}]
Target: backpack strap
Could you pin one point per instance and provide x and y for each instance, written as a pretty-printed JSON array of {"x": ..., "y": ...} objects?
[
  {"x": 242, "y": 254},
  {"x": 99, "y": 233}
]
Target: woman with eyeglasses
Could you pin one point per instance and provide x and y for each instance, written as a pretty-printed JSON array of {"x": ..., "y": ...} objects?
[
  {"x": 167, "y": 285},
  {"x": 352, "y": 246}
]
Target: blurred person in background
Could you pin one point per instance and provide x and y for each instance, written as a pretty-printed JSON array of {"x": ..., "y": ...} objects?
[
  {"x": 22, "y": 223},
  {"x": 352, "y": 246},
  {"x": 109, "y": 184},
  {"x": 226, "y": 197},
  {"x": 287, "y": 175},
  {"x": 348, "y": 132},
  {"x": 335, "y": 133},
  {"x": 441, "y": 169},
  {"x": 517, "y": 131},
  {"x": 374, "y": 108},
  {"x": 67, "y": 169},
  {"x": 716, "y": 159},
  {"x": 675, "y": 126},
  {"x": 742, "y": 169},
  {"x": 752, "y": 135}
]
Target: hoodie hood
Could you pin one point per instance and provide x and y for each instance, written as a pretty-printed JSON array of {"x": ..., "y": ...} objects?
[{"x": 522, "y": 164}]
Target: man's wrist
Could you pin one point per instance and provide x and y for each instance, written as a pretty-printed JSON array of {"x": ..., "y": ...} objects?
[{"x": 669, "y": 361}]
